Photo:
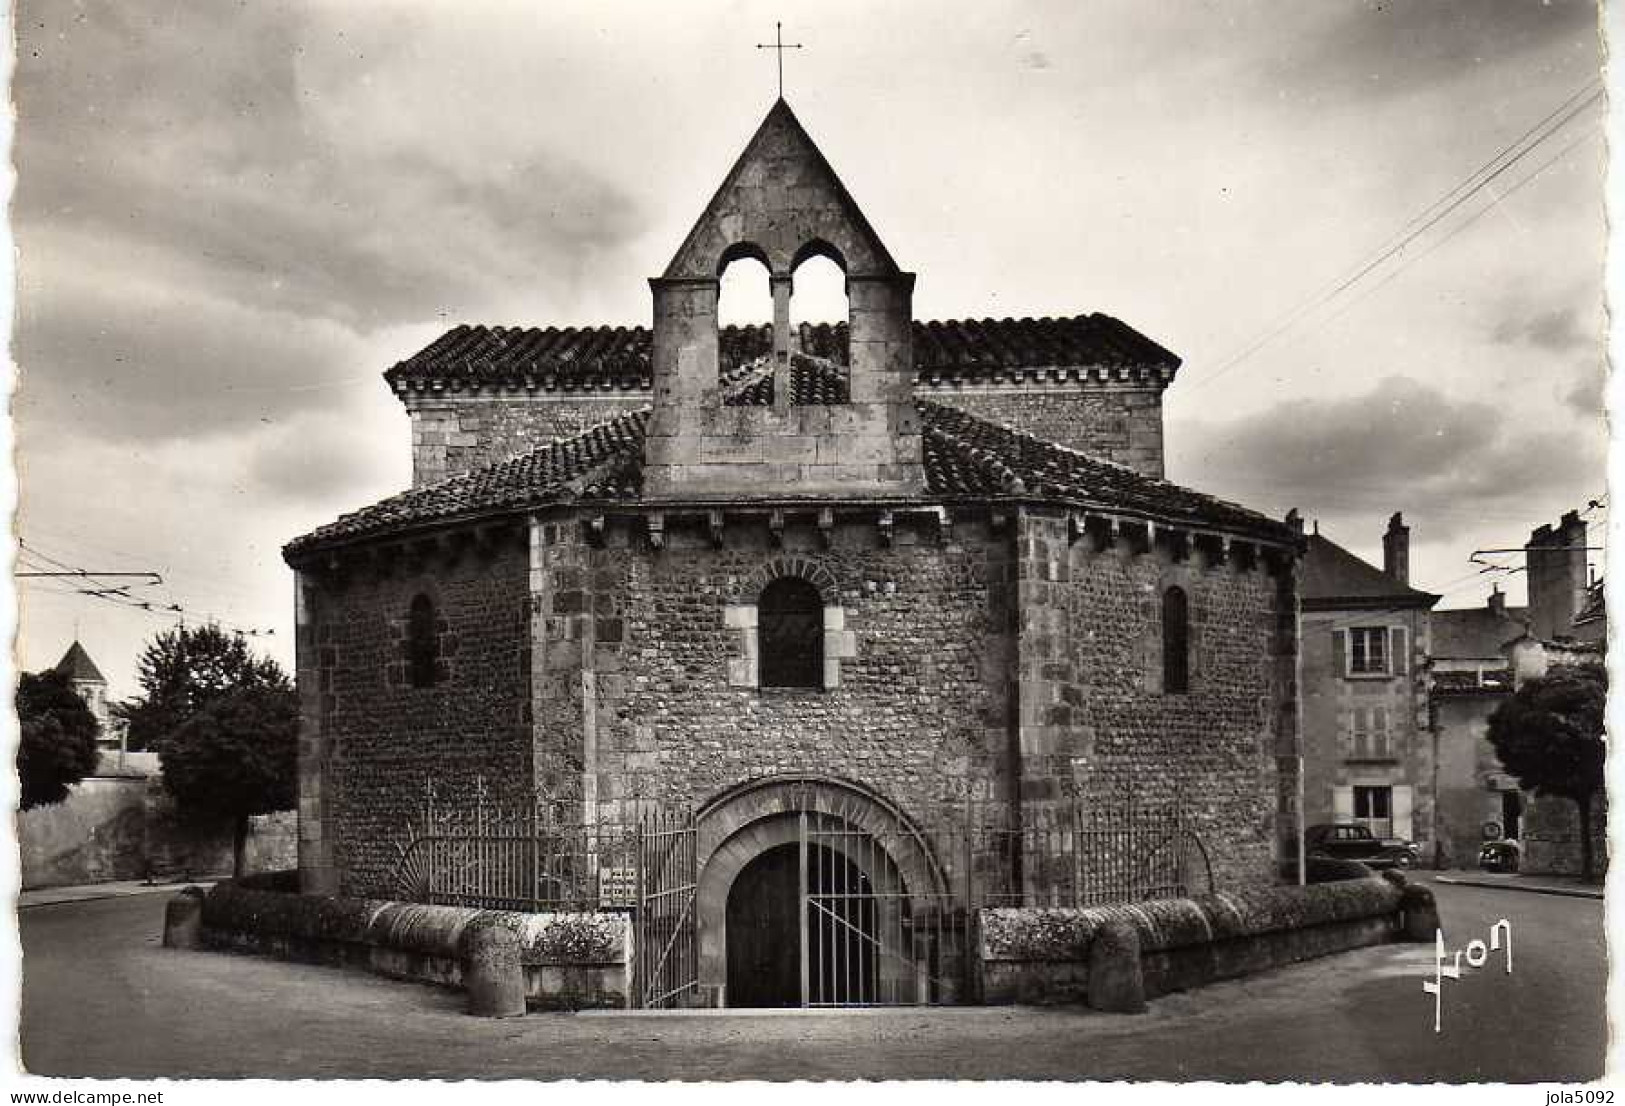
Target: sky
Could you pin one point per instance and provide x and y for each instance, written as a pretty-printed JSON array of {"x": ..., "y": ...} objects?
[{"x": 232, "y": 218}]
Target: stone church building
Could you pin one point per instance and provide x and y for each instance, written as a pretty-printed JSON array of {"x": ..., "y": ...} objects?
[{"x": 861, "y": 574}]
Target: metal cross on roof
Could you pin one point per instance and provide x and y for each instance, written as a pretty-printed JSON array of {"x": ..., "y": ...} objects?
[{"x": 781, "y": 46}]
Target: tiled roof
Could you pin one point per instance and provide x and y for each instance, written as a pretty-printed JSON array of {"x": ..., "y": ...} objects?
[
  {"x": 1476, "y": 632},
  {"x": 814, "y": 382},
  {"x": 77, "y": 665},
  {"x": 946, "y": 354},
  {"x": 602, "y": 462},
  {"x": 964, "y": 457},
  {"x": 968, "y": 455},
  {"x": 1332, "y": 575}
]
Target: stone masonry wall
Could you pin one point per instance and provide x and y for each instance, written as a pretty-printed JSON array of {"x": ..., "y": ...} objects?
[
  {"x": 1551, "y": 835},
  {"x": 921, "y": 713},
  {"x": 1119, "y": 424},
  {"x": 453, "y": 435},
  {"x": 1093, "y": 714},
  {"x": 381, "y": 738},
  {"x": 458, "y": 434},
  {"x": 918, "y": 715}
]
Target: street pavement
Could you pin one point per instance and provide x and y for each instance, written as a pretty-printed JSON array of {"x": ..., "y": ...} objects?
[{"x": 1354, "y": 1017}]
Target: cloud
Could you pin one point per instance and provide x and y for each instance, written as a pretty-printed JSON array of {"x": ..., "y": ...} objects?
[
  {"x": 1403, "y": 445},
  {"x": 251, "y": 147},
  {"x": 1586, "y": 396},
  {"x": 1378, "y": 49},
  {"x": 1555, "y": 331},
  {"x": 107, "y": 352}
]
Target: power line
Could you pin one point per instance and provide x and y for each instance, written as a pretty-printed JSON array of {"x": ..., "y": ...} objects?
[
  {"x": 1463, "y": 225},
  {"x": 61, "y": 571},
  {"x": 1420, "y": 223}
]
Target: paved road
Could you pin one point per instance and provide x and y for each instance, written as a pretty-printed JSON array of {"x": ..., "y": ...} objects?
[{"x": 1359, "y": 1016}]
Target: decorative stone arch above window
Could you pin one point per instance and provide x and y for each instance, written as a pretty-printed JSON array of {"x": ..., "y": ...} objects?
[{"x": 743, "y": 615}]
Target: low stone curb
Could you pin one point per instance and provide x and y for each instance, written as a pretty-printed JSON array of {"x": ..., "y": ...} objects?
[
  {"x": 67, "y": 896},
  {"x": 1527, "y": 888}
]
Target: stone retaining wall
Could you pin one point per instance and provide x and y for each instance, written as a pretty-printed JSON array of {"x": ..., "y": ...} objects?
[
  {"x": 569, "y": 961},
  {"x": 1035, "y": 955}
]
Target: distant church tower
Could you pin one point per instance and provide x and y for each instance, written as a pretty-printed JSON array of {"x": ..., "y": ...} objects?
[{"x": 88, "y": 683}]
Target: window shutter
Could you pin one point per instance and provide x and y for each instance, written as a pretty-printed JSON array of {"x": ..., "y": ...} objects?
[
  {"x": 1340, "y": 651},
  {"x": 1399, "y": 662},
  {"x": 1342, "y": 804},
  {"x": 1402, "y": 811}
]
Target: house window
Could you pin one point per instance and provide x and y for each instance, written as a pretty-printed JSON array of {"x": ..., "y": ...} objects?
[
  {"x": 1374, "y": 809},
  {"x": 1368, "y": 651},
  {"x": 1176, "y": 646},
  {"x": 422, "y": 646},
  {"x": 1370, "y": 737},
  {"x": 791, "y": 629}
]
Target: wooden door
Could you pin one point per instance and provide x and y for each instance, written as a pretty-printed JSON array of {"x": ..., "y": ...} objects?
[{"x": 764, "y": 931}]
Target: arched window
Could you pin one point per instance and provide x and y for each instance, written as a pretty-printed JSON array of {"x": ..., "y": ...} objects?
[
  {"x": 422, "y": 646},
  {"x": 1176, "y": 642},
  {"x": 791, "y": 627},
  {"x": 819, "y": 295}
]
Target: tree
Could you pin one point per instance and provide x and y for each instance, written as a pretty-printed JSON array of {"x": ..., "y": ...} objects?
[
  {"x": 235, "y": 758},
  {"x": 1550, "y": 735},
  {"x": 185, "y": 669},
  {"x": 56, "y": 739}
]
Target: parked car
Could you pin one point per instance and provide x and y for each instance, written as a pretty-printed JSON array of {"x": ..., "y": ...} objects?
[
  {"x": 1499, "y": 856},
  {"x": 1348, "y": 841}
]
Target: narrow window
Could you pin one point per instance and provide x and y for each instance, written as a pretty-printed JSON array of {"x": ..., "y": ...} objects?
[
  {"x": 1368, "y": 651},
  {"x": 1176, "y": 645},
  {"x": 422, "y": 649},
  {"x": 1373, "y": 809},
  {"x": 1362, "y": 732},
  {"x": 791, "y": 634}
]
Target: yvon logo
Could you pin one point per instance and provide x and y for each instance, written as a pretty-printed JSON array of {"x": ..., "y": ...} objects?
[{"x": 1477, "y": 955}]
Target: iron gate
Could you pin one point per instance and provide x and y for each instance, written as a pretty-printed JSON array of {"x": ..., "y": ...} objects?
[
  {"x": 665, "y": 957},
  {"x": 867, "y": 937}
]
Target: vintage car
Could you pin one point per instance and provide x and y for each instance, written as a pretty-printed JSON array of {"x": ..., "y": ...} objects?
[{"x": 1350, "y": 841}]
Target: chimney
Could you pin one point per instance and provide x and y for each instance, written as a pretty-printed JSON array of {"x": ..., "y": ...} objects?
[
  {"x": 1498, "y": 601},
  {"x": 1556, "y": 563},
  {"x": 1396, "y": 550}
]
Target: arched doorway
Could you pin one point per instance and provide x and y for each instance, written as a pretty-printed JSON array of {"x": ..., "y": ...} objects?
[
  {"x": 771, "y": 913},
  {"x": 880, "y": 914}
]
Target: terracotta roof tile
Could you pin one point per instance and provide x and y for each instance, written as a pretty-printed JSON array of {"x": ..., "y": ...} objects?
[
  {"x": 946, "y": 355},
  {"x": 814, "y": 382},
  {"x": 964, "y": 457}
]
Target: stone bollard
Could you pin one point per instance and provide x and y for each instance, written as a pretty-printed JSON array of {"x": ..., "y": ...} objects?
[
  {"x": 1419, "y": 912},
  {"x": 183, "y": 920},
  {"x": 1116, "y": 983},
  {"x": 492, "y": 972}
]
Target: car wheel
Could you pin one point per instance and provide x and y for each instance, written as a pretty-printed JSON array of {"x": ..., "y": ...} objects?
[{"x": 1404, "y": 860}]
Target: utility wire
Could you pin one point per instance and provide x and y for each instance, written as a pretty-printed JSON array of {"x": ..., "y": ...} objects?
[
  {"x": 1463, "y": 225},
  {"x": 1420, "y": 223},
  {"x": 112, "y": 595}
]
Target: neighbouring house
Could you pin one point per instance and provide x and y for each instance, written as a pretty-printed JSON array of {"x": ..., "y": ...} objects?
[
  {"x": 1471, "y": 676},
  {"x": 824, "y": 589},
  {"x": 1368, "y": 754},
  {"x": 1481, "y": 656}
]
